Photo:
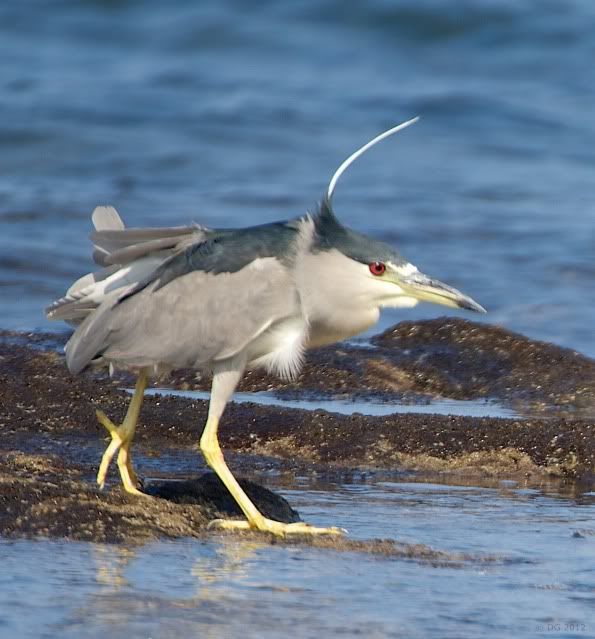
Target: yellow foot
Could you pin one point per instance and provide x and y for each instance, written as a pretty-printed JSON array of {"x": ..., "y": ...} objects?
[
  {"x": 276, "y": 527},
  {"x": 121, "y": 441}
]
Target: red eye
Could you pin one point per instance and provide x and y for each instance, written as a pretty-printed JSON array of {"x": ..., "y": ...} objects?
[{"x": 377, "y": 268}]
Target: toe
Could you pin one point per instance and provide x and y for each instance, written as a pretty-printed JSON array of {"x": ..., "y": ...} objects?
[
  {"x": 276, "y": 528},
  {"x": 110, "y": 451},
  {"x": 300, "y": 528},
  {"x": 229, "y": 524}
]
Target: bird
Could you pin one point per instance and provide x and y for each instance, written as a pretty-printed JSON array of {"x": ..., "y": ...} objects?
[{"x": 226, "y": 301}]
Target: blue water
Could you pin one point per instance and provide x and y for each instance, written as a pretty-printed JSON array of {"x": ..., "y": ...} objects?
[
  {"x": 234, "y": 113},
  {"x": 538, "y": 583}
]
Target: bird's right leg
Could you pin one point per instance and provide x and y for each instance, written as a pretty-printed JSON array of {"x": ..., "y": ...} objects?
[
  {"x": 224, "y": 383},
  {"x": 122, "y": 437}
]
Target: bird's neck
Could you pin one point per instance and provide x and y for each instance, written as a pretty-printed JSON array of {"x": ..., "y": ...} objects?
[
  {"x": 331, "y": 302},
  {"x": 322, "y": 333}
]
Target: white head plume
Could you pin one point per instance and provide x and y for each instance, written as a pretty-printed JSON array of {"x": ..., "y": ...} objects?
[{"x": 339, "y": 172}]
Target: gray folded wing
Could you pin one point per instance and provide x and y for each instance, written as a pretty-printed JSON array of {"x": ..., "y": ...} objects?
[{"x": 195, "y": 319}]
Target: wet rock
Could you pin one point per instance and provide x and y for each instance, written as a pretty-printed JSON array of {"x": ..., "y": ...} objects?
[
  {"x": 44, "y": 496},
  {"x": 41, "y": 496},
  {"x": 209, "y": 490},
  {"x": 461, "y": 359}
]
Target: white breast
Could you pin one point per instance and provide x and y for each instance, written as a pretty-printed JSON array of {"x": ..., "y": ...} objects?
[{"x": 280, "y": 349}]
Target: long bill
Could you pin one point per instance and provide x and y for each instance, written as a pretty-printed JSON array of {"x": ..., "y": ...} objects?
[{"x": 426, "y": 289}]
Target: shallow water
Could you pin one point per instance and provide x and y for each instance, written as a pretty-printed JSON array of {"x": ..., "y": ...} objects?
[
  {"x": 442, "y": 406},
  {"x": 538, "y": 581},
  {"x": 232, "y": 115}
]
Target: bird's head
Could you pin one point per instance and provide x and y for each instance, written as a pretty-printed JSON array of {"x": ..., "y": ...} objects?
[{"x": 375, "y": 271}]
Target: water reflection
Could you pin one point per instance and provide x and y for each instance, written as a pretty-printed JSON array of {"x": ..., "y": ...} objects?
[
  {"x": 229, "y": 561},
  {"x": 110, "y": 564},
  {"x": 177, "y": 585},
  {"x": 225, "y": 559}
]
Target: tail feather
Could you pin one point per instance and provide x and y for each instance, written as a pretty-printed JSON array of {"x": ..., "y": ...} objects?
[
  {"x": 115, "y": 244},
  {"x": 71, "y": 311},
  {"x": 89, "y": 291},
  {"x": 135, "y": 235},
  {"x": 78, "y": 301},
  {"x": 106, "y": 218},
  {"x": 128, "y": 256},
  {"x": 130, "y": 252}
]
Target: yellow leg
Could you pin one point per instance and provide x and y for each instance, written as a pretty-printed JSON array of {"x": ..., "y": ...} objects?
[
  {"x": 209, "y": 445},
  {"x": 122, "y": 437}
]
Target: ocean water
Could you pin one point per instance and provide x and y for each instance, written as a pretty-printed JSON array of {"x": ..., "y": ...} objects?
[{"x": 237, "y": 113}]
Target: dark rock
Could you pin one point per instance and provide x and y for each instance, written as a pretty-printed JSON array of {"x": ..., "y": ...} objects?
[{"x": 209, "y": 490}]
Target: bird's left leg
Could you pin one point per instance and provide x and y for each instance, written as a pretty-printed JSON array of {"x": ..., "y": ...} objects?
[
  {"x": 122, "y": 437},
  {"x": 224, "y": 383}
]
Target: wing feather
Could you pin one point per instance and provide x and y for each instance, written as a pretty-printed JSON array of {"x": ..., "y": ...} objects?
[
  {"x": 106, "y": 218},
  {"x": 194, "y": 320}
]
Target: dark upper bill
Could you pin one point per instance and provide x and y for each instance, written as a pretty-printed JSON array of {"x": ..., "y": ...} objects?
[{"x": 427, "y": 289}]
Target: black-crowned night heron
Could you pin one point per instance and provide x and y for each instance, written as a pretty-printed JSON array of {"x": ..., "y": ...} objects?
[{"x": 228, "y": 300}]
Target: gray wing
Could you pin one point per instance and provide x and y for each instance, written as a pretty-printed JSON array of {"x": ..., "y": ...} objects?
[{"x": 195, "y": 318}]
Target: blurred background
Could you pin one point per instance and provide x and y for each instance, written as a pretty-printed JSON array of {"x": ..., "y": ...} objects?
[{"x": 237, "y": 113}]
